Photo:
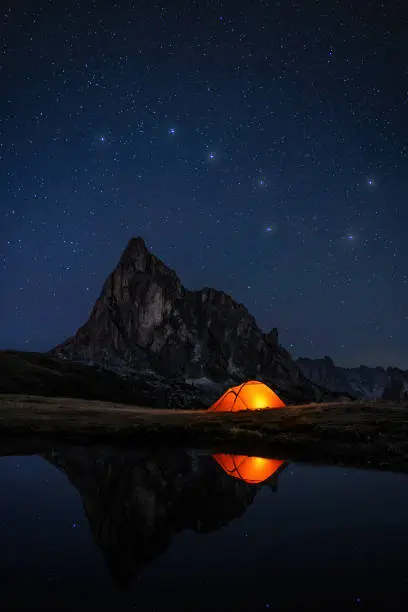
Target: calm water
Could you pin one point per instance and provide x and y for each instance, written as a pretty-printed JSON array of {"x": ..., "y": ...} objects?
[{"x": 108, "y": 529}]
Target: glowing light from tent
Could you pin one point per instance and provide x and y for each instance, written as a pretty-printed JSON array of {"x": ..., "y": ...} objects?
[{"x": 252, "y": 470}]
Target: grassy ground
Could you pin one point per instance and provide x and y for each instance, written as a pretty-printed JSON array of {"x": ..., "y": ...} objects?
[{"x": 366, "y": 434}]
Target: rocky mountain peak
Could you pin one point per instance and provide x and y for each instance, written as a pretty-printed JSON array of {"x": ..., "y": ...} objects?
[
  {"x": 358, "y": 382},
  {"x": 145, "y": 320},
  {"x": 272, "y": 337},
  {"x": 137, "y": 258},
  {"x": 135, "y": 245},
  {"x": 136, "y": 253}
]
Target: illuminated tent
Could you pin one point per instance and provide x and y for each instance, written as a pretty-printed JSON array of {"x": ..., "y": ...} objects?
[
  {"x": 251, "y": 395},
  {"x": 252, "y": 470}
]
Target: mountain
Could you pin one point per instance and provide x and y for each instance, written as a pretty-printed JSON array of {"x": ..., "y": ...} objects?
[
  {"x": 41, "y": 374},
  {"x": 136, "y": 501},
  {"x": 145, "y": 323},
  {"x": 359, "y": 382}
]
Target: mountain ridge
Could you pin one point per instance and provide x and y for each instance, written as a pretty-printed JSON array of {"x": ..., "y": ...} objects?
[
  {"x": 145, "y": 322},
  {"x": 359, "y": 382}
]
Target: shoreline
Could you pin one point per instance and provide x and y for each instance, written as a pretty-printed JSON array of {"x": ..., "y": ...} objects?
[{"x": 365, "y": 434}]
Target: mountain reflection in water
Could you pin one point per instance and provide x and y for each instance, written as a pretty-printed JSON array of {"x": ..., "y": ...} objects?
[
  {"x": 136, "y": 501},
  {"x": 331, "y": 539}
]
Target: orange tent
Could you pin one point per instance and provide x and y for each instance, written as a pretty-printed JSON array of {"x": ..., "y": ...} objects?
[
  {"x": 252, "y": 470},
  {"x": 251, "y": 395}
]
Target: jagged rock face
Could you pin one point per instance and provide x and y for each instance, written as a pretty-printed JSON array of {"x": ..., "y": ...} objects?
[
  {"x": 136, "y": 501},
  {"x": 396, "y": 388},
  {"x": 360, "y": 382},
  {"x": 146, "y": 320}
]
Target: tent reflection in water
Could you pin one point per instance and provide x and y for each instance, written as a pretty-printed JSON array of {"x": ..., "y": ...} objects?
[
  {"x": 251, "y": 395},
  {"x": 252, "y": 470}
]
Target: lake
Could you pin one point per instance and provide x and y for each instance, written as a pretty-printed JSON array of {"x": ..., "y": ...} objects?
[{"x": 102, "y": 528}]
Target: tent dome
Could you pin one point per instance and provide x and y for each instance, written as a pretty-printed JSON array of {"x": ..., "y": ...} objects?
[
  {"x": 252, "y": 470},
  {"x": 251, "y": 395}
]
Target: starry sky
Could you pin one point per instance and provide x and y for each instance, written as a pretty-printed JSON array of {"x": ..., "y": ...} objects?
[{"x": 258, "y": 147}]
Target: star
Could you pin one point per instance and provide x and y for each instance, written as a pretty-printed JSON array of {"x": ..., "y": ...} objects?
[
  {"x": 211, "y": 155},
  {"x": 270, "y": 229},
  {"x": 102, "y": 139},
  {"x": 261, "y": 182},
  {"x": 172, "y": 131},
  {"x": 350, "y": 238}
]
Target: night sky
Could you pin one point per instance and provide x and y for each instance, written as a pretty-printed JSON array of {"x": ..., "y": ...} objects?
[{"x": 258, "y": 147}]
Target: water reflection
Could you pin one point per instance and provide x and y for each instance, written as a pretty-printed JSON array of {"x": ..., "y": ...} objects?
[
  {"x": 137, "y": 501},
  {"x": 252, "y": 470},
  {"x": 349, "y": 541}
]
